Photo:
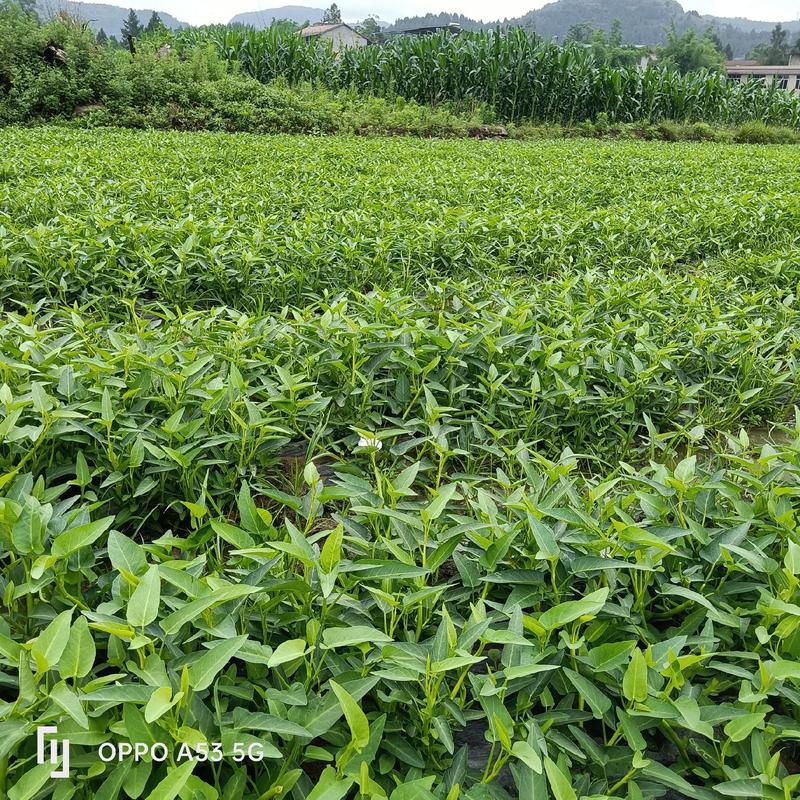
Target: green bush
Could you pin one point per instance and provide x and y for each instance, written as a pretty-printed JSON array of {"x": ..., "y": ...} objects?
[
  {"x": 759, "y": 133},
  {"x": 194, "y": 88},
  {"x": 702, "y": 132}
]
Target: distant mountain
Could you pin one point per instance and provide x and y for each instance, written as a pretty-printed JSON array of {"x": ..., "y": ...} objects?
[
  {"x": 265, "y": 17},
  {"x": 437, "y": 20},
  {"x": 643, "y": 21},
  {"x": 100, "y": 15}
]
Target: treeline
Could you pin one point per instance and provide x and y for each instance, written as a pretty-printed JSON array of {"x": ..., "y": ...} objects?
[
  {"x": 645, "y": 22},
  {"x": 238, "y": 79}
]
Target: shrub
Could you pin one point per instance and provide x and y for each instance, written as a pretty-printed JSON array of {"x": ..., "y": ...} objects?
[
  {"x": 759, "y": 133},
  {"x": 702, "y": 132}
]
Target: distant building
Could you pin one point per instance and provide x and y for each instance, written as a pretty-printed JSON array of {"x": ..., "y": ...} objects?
[
  {"x": 339, "y": 34},
  {"x": 787, "y": 77},
  {"x": 452, "y": 27}
]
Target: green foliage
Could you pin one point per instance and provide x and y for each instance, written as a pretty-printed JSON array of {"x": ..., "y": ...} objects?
[
  {"x": 776, "y": 51},
  {"x": 691, "y": 53},
  {"x": 610, "y": 49},
  {"x": 444, "y": 83},
  {"x": 585, "y": 626},
  {"x": 371, "y": 30},
  {"x": 495, "y": 69},
  {"x": 332, "y": 15},
  {"x": 131, "y": 28},
  {"x": 154, "y": 24},
  {"x": 399, "y": 469},
  {"x": 758, "y": 133},
  {"x": 637, "y": 211}
]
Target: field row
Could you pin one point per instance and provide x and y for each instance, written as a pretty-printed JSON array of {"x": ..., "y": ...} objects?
[
  {"x": 427, "y": 471},
  {"x": 259, "y": 223}
]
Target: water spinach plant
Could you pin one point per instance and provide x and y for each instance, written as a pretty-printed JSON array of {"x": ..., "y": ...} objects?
[{"x": 388, "y": 469}]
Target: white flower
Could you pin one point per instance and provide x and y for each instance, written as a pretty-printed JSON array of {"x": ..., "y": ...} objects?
[{"x": 365, "y": 441}]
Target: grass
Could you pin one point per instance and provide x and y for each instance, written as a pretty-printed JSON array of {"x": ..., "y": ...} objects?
[{"x": 399, "y": 469}]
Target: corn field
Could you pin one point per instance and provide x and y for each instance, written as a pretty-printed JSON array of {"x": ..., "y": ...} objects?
[{"x": 517, "y": 76}]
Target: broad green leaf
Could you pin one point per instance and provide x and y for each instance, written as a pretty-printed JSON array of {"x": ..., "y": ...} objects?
[
  {"x": 49, "y": 645},
  {"x": 234, "y": 536},
  {"x": 27, "y": 533},
  {"x": 31, "y": 781},
  {"x": 564, "y": 613},
  {"x": 356, "y": 718},
  {"x": 170, "y": 787},
  {"x": 287, "y": 651},
  {"x": 203, "y": 671},
  {"x": 64, "y": 697},
  {"x": 77, "y": 659},
  {"x": 560, "y": 784},
  {"x": 634, "y": 682},
  {"x": 174, "y": 621},
  {"x": 329, "y": 786},
  {"x": 353, "y": 635},
  {"x": 80, "y": 536},
  {"x": 125, "y": 554},
  {"x": 606, "y": 657},
  {"x": 437, "y": 506},
  {"x": 525, "y": 753},
  {"x": 332, "y": 549},
  {"x": 739, "y": 728},
  {"x": 112, "y": 785},
  {"x": 597, "y": 700},
  {"x": 161, "y": 701},
  {"x": 743, "y": 787},
  {"x": 144, "y": 600}
]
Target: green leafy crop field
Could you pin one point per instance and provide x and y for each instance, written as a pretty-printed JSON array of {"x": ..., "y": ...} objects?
[{"x": 343, "y": 468}]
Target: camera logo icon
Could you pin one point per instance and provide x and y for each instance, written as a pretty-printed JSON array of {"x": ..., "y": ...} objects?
[{"x": 58, "y": 751}]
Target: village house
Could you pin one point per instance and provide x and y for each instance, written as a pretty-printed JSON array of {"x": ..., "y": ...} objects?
[
  {"x": 786, "y": 76},
  {"x": 339, "y": 34}
]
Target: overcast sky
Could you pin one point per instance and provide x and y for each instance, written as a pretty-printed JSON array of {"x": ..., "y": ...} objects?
[{"x": 200, "y": 11}]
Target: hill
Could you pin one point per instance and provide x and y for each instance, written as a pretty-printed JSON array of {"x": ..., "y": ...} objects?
[
  {"x": 101, "y": 15},
  {"x": 643, "y": 21},
  {"x": 263, "y": 18}
]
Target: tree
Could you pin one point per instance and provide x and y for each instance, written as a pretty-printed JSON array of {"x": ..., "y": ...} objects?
[
  {"x": 131, "y": 27},
  {"x": 610, "y": 49},
  {"x": 101, "y": 38},
  {"x": 779, "y": 45},
  {"x": 615, "y": 37},
  {"x": 725, "y": 49},
  {"x": 371, "y": 31},
  {"x": 581, "y": 33},
  {"x": 286, "y": 26},
  {"x": 689, "y": 53},
  {"x": 712, "y": 34},
  {"x": 332, "y": 15},
  {"x": 155, "y": 24},
  {"x": 776, "y": 50},
  {"x": 28, "y": 7}
]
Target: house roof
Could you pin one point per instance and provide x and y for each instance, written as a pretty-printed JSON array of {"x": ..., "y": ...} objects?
[
  {"x": 317, "y": 30},
  {"x": 768, "y": 69}
]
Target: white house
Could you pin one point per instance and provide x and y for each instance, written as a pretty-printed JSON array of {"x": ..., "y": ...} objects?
[
  {"x": 786, "y": 77},
  {"x": 339, "y": 34}
]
